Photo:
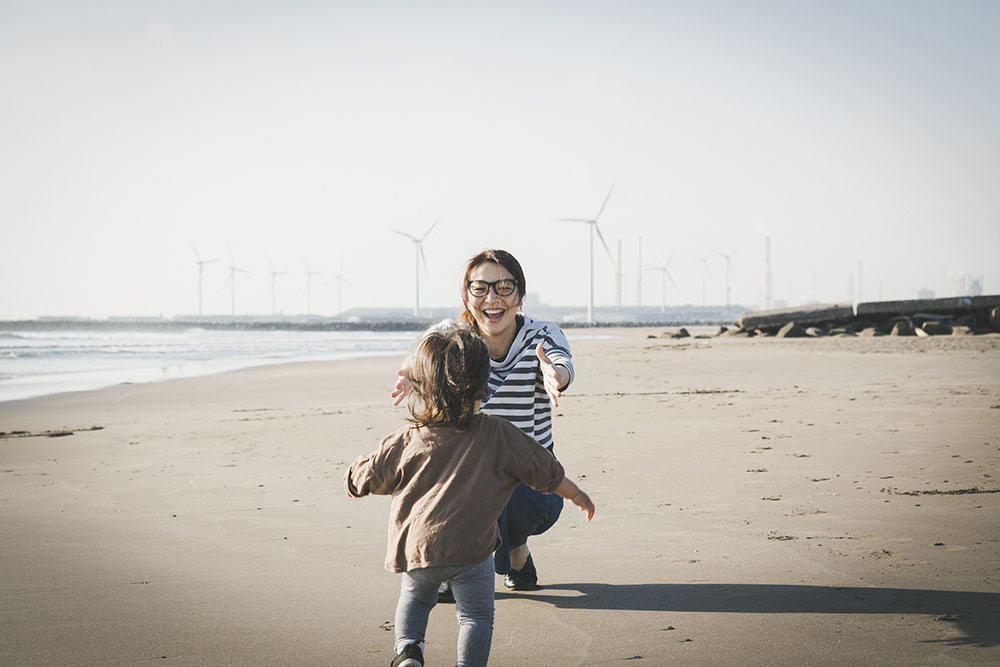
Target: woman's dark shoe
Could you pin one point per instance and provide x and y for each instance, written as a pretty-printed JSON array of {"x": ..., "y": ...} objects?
[
  {"x": 525, "y": 579},
  {"x": 411, "y": 656},
  {"x": 444, "y": 593}
]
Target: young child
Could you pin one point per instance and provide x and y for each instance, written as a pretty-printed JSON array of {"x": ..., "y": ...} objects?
[{"x": 450, "y": 473}]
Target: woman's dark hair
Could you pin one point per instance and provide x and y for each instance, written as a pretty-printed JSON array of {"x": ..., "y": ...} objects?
[
  {"x": 501, "y": 258},
  {"x": 448, "y": 371}
]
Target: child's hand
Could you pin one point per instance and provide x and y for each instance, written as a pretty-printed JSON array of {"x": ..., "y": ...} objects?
[
  {"x": 401, "y": 389},
  {"x": 582, "y": 500}
]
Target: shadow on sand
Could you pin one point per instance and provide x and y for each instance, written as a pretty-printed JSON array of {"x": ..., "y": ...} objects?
[{"x": 975, "y": 615}]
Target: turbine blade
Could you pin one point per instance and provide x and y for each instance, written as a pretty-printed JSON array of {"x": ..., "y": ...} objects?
[
  {"x": 197, "y": 254},
  {"x": 601, "y": 236},
  {"x": 669, "y": 259},
  {"x": 409, "y": 236},
  {"x": 431, "y": 227},
  {"x": 420, "y": 246},
  {"x": 671, "y": 279},
  {"x": 596, "y": 217},
  {"x": 573, "y": 220}
]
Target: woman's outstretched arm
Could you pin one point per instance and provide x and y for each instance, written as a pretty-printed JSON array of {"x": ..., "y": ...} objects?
[{"x": 555, "y": 376}]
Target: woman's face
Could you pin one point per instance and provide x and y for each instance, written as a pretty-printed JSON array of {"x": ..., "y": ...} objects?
[{"x": 495, "y": 315}]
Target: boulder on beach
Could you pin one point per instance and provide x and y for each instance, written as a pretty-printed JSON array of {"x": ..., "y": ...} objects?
[
  {"x": 680, "y": 333},
  {"x": 791, "y": 330},
  {"x": 936, "y": 328},
  {"x": 902, "y": 327}
]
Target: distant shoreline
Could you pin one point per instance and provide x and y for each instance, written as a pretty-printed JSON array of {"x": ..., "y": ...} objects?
[{"x": 253, "y": 324}]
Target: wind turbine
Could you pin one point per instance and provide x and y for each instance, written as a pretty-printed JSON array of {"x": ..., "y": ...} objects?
[
  {"x": 729, "y": 275},
  {"x": 705, "y": 270},
  {"x": 274, "y": 280},
  {"x": 309, "y": 278},
  {"x": 665, "y": 269},
  {"x": 201, "y": 266},
  {"x": 233, "y": 270},
  {"x": 592, "y": 222},
  {"x": 418, "y": 255},
  {"x": 340, "y": 279}
]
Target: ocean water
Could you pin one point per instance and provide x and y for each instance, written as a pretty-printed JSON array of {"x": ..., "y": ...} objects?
[{"x": 38, "y": 363}]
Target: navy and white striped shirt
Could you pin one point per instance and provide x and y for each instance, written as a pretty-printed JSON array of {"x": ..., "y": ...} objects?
[{"x": 516, "y": 389}]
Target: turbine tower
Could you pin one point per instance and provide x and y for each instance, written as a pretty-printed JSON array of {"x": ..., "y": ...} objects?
[
  {"x": 729, "y": 276},
  {"x": 418, "y": 255},
  {"x": 309, "y": 278},
  {"x": 767, "y": 273},
  {"x": 706, "y": 271},
  {"x": 638, "y": 298},
  {"x": 618, "y": 277},
  {"x": 340, "y": 279},
  {"x": 763, "y": 231},
  {"x": 665, "y": 269},
  {"x": 201, "y": 266},
  {"x": 274, "y": 280},
  {"x": 592, "y": 222},
  {"x": 233, "y": 270}
]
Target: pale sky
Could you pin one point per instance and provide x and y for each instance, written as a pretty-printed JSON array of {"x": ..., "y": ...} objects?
[{"x": 299, "y": 132}]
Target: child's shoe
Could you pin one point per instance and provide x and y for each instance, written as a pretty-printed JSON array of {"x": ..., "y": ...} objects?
[
  {"x": 525, "y": 579},
  {"x": 410, "y": 657}
]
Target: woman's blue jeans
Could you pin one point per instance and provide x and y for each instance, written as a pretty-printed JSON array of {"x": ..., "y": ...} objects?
[{"x": 472, "y": 586}]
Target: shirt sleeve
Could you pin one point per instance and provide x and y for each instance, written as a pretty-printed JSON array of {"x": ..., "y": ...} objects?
[
  {"x": 557, "y": 349},
  {"x": 534, "y": 465},
  {"x": 376, "y": 473}
]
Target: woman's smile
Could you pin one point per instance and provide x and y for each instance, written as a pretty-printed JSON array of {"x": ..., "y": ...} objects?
[{"x": 494, "y": 315}]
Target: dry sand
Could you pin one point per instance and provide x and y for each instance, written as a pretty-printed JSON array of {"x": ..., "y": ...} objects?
[{"x": 760, "y": 502}]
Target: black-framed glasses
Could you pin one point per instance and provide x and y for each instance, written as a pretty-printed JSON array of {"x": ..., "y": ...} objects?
[{"x": 480, "y": 288}]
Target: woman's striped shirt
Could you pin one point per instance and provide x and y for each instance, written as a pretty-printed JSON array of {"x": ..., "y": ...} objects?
[{"x": 516, "y": 390}]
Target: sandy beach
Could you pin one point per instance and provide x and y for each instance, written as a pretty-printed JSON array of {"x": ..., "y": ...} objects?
[{"x": 760, "y": 502}]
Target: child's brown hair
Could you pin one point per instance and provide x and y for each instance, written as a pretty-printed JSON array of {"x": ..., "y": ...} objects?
[{"x": 448, "y": 371}]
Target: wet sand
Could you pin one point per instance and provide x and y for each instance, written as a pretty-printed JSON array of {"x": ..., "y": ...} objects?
[{"x": 760, "y": 501}]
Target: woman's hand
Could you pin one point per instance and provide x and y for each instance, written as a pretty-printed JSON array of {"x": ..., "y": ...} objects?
[
  {"x": 555, "y": 377},
  {"x": 402, "y": 388}
]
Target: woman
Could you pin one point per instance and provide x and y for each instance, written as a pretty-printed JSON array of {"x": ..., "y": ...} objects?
[{"x": 530, "y": 367}]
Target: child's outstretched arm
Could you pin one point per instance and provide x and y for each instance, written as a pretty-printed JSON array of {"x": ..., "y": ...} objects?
[
  {"x": 571, "y": 492},
  {"x": 367, "y": 475}
]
